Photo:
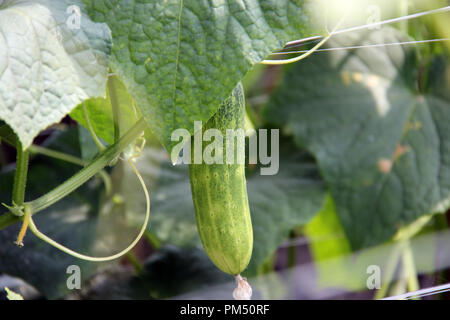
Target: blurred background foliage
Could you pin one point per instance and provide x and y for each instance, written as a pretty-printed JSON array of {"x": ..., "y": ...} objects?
[{"x": 364, "y": 180}]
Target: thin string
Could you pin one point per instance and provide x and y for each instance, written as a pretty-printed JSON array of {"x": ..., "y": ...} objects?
[
  {"x": 399, "y": 19},
  {"x": 421, "y": 293},
  {"x": 371, "y": 25},
  {"x": 375, "y": 45}
]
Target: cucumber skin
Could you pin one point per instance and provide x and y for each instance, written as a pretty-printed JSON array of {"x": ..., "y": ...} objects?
[{"x": 220, "y": 197}]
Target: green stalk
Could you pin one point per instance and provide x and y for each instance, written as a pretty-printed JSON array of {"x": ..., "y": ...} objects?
[
  {"x": 56, "y": 155},
  {"x": 71, "y": 159},
  {"x": 20, "y": 183},
  {"x": 404, "y": 10},
  {"x": 137, "y": 265},
  {"x": 410, "y": 269},
  {"x": 20, "y": 176},
  {"x": 63, "y": 190},
  {"x": 115, "y": 108},
  {"x": 392, "y": 263},
  {"x": 153, "y": 240}
]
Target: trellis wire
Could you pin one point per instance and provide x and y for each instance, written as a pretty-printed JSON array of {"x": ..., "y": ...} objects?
[
  {"x": 366, "y": 46},
  {"x": 421, "y": 293},
  {"x": 322, "y": 39},
  {"x": 372, "y": 25}
]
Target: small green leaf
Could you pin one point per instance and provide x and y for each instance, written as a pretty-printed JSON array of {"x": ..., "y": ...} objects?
[
  {"x": 49, "y": 62},
  {"x": 101, "y": 116},
  {"x": 11, "y": 295}
]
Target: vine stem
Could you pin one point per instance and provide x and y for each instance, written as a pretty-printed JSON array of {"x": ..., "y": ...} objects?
[
  {"x": 404, "y": 10},
  {"x": 73, "y": 160},
  {"x": 402, "y": 252},
  {"x": 389, "y": 272},
  {"x": 20, "y": 176},
  {"x": 56, "y": 155},
  {"x": 20, "y": 182},
  {"x": 96, "y": 165}
]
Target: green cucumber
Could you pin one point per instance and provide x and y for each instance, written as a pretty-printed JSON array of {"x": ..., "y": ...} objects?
[{"x": 219, "y": 192}]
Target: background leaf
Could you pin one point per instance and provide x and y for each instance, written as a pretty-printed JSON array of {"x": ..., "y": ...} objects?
[
  {"x": 46, "y": 67},
  {"x": 170, "y": 272},
  {"x": 338, "y": 267},
  {"x": 380, "y": 133}
]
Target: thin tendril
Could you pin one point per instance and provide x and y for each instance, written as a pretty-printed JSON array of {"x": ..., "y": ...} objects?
[
  {"x": 305, "y": 55},
  {"x": 55, "y": 244}
]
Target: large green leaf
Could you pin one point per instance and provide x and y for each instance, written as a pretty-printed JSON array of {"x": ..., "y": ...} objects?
[
  {"x": 48, "y": 63},
  {"x": 382, "y": 145},
  {"x": 181, "y": 58},
  {"x": 277, "y": 203}
]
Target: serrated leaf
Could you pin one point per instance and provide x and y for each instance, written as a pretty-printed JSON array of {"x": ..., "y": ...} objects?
[
  {"x": 181, "y": 58},
  {"x": 382, "y": 145},
  {"x": 48, "y": 63},
  {"x": 277, "y": 203}
]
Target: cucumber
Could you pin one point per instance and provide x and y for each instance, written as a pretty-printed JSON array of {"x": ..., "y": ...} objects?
[{"x": 219, "y": 192}]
